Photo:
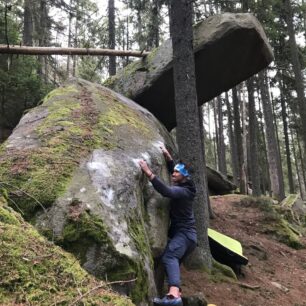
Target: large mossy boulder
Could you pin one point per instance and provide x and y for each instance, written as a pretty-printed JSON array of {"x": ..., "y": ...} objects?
[
  {"x": 71, "y": 168},
  {"x": 229, "y": 48},
  {"x": 36, "y": 272},
  {"x": 294, "y": 210}
]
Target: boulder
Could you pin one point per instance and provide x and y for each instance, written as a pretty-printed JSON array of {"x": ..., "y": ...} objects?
[
  {"x": 59, "y": 279},
  {"x": 218, "y": 184},
  {"x": 71, "y": 168},
  {"x": 294, "y": 209},
  {"x": 229, "y": 48}
]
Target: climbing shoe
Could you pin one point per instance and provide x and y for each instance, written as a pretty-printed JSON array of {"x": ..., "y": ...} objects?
[{"x": 168, "y": 300}]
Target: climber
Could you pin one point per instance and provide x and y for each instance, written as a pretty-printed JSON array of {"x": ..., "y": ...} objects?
[{"x": 182, "y": 232}]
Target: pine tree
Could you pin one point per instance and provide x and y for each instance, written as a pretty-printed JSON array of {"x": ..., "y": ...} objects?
[
  {"x": 187, "y": 117},
  {"x": 220, "y": 142},
  {"x": 111, "y": 35},
  {"x": 253, "y": 140},
  {"x": 296, "y": 65},
  {"x": 275, "y": 169}
]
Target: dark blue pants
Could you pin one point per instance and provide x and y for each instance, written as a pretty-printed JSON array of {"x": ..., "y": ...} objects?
[{"x": 177, "y": 248}]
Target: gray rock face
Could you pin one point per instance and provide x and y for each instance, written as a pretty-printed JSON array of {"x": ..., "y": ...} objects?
[
  {"x": 218, "y": 183},
  {"x": 77, "y": 154},
  {"x": 229, "y": 48}
]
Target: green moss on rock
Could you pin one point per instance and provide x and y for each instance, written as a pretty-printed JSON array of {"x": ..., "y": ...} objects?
[
  {"x": 220, "y": 272},
  {"x": 79, "y": 120},
  {"x": 36, "y": 272},
  {"x": 84, "y": 230},
  {"x": 273, "y": 223}
]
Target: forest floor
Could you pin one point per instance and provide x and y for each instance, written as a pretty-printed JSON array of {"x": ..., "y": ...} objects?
[{"x": 275, "y": 274}]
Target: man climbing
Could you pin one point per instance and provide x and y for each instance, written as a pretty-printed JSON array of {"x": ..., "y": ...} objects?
[{"x": 182, "y": 232}]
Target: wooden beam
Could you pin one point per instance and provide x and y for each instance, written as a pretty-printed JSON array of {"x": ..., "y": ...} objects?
[{"x": 11, "y": 49}]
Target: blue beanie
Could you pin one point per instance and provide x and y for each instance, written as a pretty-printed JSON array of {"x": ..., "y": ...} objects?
[{"x": 181, "y": 169}]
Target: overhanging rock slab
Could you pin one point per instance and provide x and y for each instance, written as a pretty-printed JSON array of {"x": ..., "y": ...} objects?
[{"x": 229, "y": 48}]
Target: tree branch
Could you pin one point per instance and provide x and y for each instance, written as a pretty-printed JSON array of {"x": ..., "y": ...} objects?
[
  {"x": 68, "y": 51},
  {"x": 99, "y": 287}
]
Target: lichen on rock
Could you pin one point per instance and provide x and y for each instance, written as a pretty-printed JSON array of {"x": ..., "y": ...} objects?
[{"x": 71, "y": 168}]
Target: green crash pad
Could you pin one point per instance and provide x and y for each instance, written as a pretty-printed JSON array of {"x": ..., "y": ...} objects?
[{"x": 226, "y": 249}]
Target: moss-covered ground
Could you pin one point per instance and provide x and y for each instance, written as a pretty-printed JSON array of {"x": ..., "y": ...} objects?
[
  {"x": 273, "y": 222},
  {"x": 36, "y": 272}
]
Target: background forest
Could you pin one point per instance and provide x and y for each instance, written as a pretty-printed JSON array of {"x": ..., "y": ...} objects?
[{"x": 255, "y": 133}]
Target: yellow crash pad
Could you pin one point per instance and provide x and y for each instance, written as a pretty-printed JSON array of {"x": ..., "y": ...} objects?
[{"x": 227, "y": 242}]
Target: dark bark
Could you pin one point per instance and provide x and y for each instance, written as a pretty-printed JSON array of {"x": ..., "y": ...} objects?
[
  {"x": 304, "y": 19},
  {"x": 232, "y": 141},
  {"x": 42, "y": 31},
  {"x": 298, "y": 169},
  {"x": 154, "y": 22},
  {"x": 111, "y": 36},
  {"x": 221, "y": 144},
  {"x": 302, "y": 168},
  {"x": 202, "y": 135},
  {"x": 188, "y": 129},
  {"x": 69, "y": 37},
  {"x": 64, "y": 51},
  {"x": 245, "y": 5},
  {"x": 127, "y": 37},
  {"x": 266, "y": 183},
  {"x": 253, "y": 140},
  {"x": 27, "y": 24},
  {"x": 216, "y": 140},
  {"x": 275, "y": 169},
  {"x": 275, "y": 121},
  {"x": 76, "y": 33},
  {"x": 296, "y": 65},
  {"x": 238, "y": 137},
  {"x": 244, "y": 166},
  {"x": 286, "y": 137}
]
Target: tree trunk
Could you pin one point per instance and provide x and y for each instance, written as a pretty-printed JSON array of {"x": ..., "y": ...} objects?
[
  {"x": 253, "y": 140},
  {"x": 233, "y": 143},
  {"x": 69, "y": 37},
  {"x": 41, "y": 31},
  {"x": 76, "y": 32},
  {"x": 111, "y": 36},
  {"x": 266, "y": 182},
  {"x": 188, "y": 129},
  {"x": 304, "y": 19},
  {"x": 286, "y": 136},
  {"x": 275, "y": 169},
  {"x": 127, "y": 37},
  {"x": 153, "y": 35},
  {"x": 302, "y": 168},
  {"x": 216, "y": 140},
  {"x": 298, "y": 170},
  {"x": 221, "y": 145},
  {"x": 27, "y": 24},
  {"x": 244, "y": 165},
  {"x": 296, "y": 65},
  {"x": 245, "y": 6},
  {"x": 202, "y": 135},
  {"x": 65, "y": 51},
  {"x": 238, "y": 136}
]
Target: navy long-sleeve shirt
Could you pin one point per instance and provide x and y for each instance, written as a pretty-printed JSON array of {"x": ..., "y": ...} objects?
[{"x": 181, "y": 204}]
